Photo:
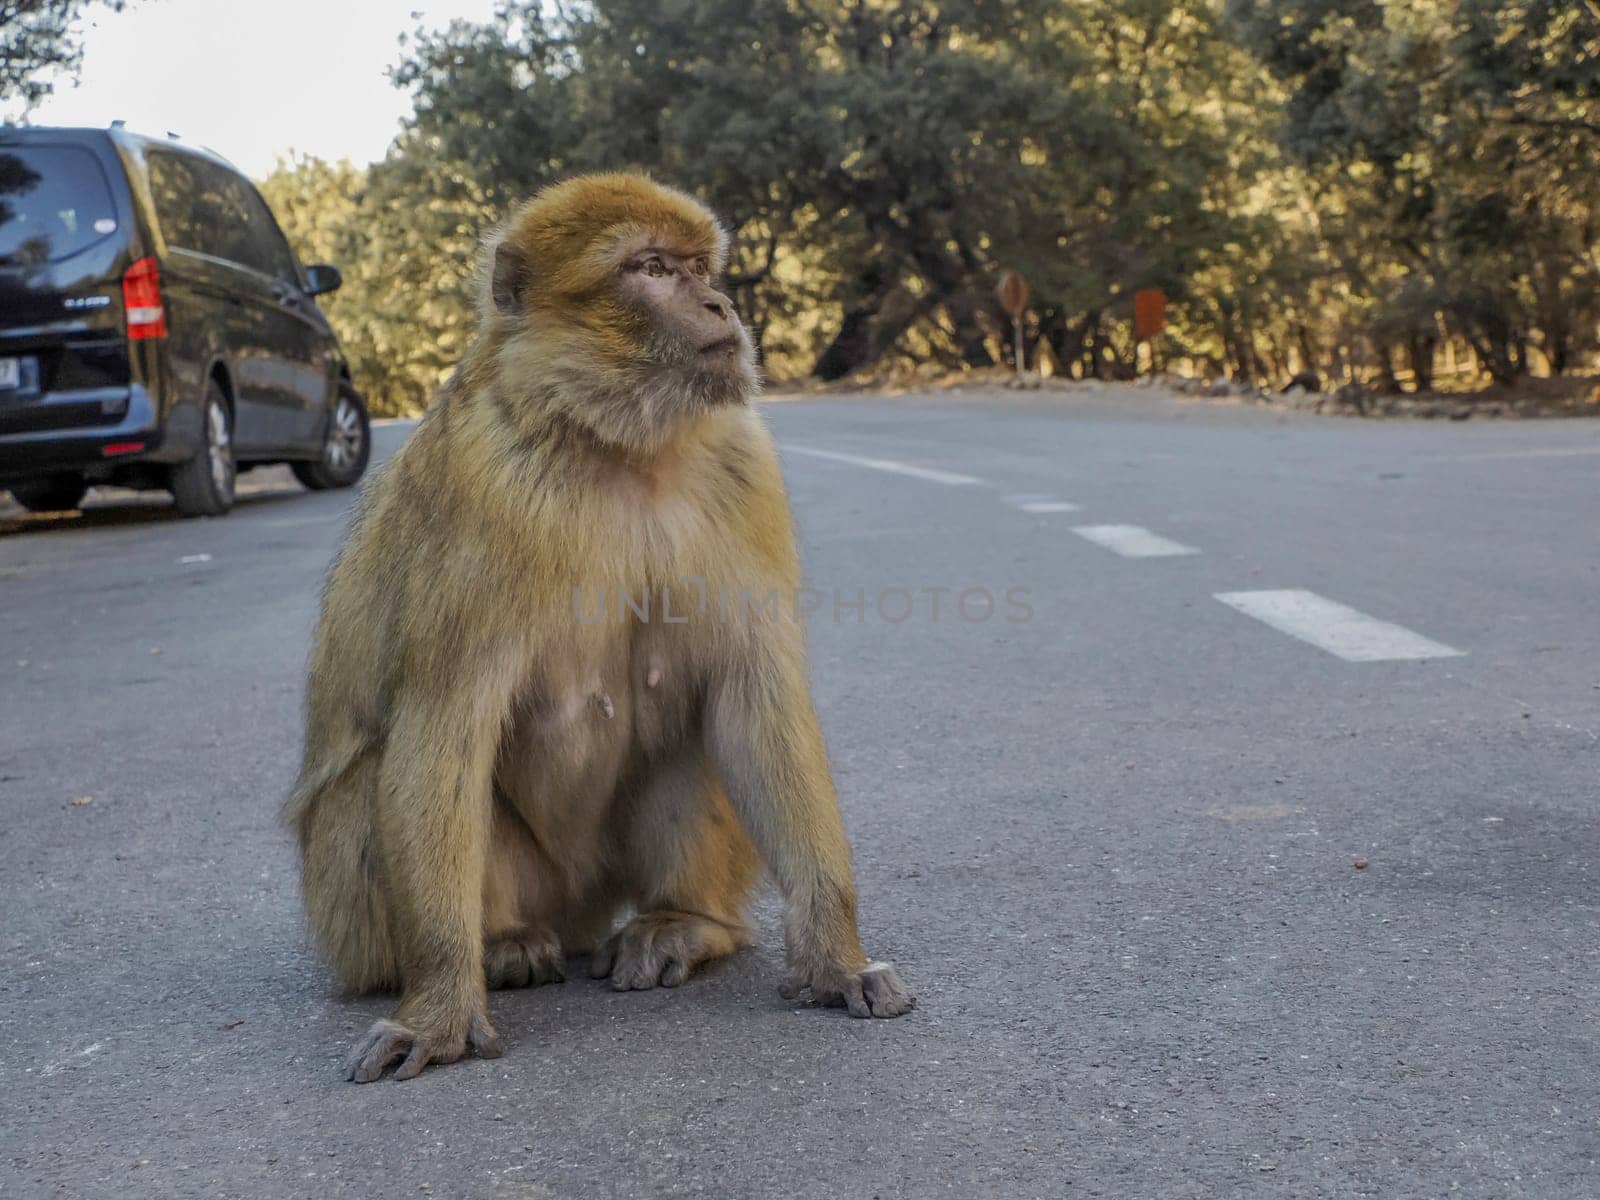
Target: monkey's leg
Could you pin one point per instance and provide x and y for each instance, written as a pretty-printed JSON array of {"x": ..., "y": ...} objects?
[
  {"x": 691, "y": 869},
  {"x": 767, "y": 747},
  {"x": 434, "y": 806},
  {"x": 522, "y": 949}
]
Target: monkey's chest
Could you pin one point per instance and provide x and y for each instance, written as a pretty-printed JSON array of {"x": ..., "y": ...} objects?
[{"x": 617, "y": 696}]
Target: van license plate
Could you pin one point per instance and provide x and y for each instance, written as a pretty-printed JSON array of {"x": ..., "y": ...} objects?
[{"x": 10, "y": 374}]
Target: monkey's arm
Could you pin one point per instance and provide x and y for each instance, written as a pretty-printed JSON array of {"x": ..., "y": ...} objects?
[
  {"x": 767, "y": 746},
  {"x": 434, "y": 812}
]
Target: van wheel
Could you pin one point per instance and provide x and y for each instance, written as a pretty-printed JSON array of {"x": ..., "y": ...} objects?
[
  {"x": 346, "y": 448},
  {"x": 57, "y": 493},
  {"x": 203, "y": 486}
]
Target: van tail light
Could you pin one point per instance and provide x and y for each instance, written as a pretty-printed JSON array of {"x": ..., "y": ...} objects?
[{"x": 141, "y": 301}]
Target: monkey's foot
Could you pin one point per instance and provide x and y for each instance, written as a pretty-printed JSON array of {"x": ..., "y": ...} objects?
[
  {"x": 874, "y": 991},
  {"x": 524, "y": 962},
  {"x": 389, "y": 1040},
  {"x": 662, "y": 948}
]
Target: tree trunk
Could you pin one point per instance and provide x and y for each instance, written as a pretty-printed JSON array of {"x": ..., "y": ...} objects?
[
  {"x": 851, "y": 346},
  {"x": 1387, "y": 382},
  {"x": 971, "y": 341},
  {"x": 1094, "y": 362},
  {"x": 1308, "y": 354},
  {"x": 1420, "y": 351},
  {"x": 1232, "y": 364},
  {"x": 1069, "y": 344},
  {"x": 1496, "y": 359},
  {"x": 1251, "y": 368}
]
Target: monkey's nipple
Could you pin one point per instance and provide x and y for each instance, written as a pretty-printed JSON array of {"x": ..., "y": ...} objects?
[
  {"x": 607, "y": 709},
  {"x": 653, "y": 677}
]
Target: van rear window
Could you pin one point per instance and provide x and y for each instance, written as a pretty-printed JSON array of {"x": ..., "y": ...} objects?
[{"x": 54, "y": 201}]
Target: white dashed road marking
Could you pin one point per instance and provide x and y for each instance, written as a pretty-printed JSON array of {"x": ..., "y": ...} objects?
[
  {"x": 886, "y": 464},
  {"x": 1132, "y": 541},
  {"x": 1549, "y": 452},
  {"x": 1326, "y": 624},
  {"x": 1342, "y": 631},
  {"x": 1046, "y": 506}
]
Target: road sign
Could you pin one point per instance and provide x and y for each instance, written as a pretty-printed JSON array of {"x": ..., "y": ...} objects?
[
  {"x": 1013, "y": 296},
  {"x": 1149, "y": 313}
]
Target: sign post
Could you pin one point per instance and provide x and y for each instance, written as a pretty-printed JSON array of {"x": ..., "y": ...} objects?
[{"x": 1013, "y": 296}]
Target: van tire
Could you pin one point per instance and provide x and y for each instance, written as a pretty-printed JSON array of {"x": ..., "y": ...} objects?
[
  {"x": 203, "y": 486},
  {"x": 345, "y": 450}
]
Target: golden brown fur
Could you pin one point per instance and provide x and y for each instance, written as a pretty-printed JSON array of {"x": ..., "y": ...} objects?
[{"x": 489, "y": 781}]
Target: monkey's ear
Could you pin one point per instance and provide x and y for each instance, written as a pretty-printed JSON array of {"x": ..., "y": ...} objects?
[{"x": 508, "y": 276}]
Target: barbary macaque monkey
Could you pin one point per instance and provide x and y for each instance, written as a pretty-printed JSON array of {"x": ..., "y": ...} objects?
[{"x": 493, "y": 777}]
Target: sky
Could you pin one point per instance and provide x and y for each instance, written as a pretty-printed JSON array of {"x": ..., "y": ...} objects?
[{"x": 251, "y": 78}]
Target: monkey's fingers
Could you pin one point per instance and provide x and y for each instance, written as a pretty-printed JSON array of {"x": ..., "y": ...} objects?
[
  {"x": 883, "y": 992},
  {"x": 852, "y": 996},
  {"x": 483, "y": 1040},
  {"x": 874, "y": 991},
  {"x": 387, "y": 1041},
  {"x": 415, "y": 1061},
  {"x": 639, "y": 963},
  {"x": 383, "y": 1043}
]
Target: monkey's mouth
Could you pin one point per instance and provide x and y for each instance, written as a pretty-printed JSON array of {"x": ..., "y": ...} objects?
[{"x": 731, "y": 342}]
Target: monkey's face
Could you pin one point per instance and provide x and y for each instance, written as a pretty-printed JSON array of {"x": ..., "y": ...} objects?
[
  {"x": 601, "y": 306},
  {"x": 686, "y": 329}
]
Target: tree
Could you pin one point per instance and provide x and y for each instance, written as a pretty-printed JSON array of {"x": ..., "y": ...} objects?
[
  {"x": 1369, "y": 189},
  {"x": 37, "y": 41},
  {"x": 1464, "y": 131},
  {"x": 406, "y": 241}
]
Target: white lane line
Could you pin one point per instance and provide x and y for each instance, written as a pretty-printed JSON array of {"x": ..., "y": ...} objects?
[
  {"x": 884, "y": 464},
  {"x": 1342, "y": 631},
  {"x": 1043, "y": 506},
  {"x": 1550, "y": 452},
  {"x": 1132, "y": 541}
]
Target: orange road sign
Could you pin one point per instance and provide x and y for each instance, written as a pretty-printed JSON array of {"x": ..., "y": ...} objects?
[
  {"x": 1149, "y": 313},
  {"x": 1013, "y": 294}
]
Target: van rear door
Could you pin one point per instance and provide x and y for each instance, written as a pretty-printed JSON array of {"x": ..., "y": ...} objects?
[{"x": 61, "y": 318}]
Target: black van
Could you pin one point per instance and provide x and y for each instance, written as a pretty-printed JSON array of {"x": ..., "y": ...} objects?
[{"x": 155, "y": 329}]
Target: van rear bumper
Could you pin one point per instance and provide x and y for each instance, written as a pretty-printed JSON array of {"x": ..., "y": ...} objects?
[{"x": 36, "y": 437}]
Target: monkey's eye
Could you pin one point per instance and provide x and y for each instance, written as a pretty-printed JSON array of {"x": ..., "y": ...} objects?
[
  {"x": 655, "y": 267},
  {"x": 702, "y": 268}
]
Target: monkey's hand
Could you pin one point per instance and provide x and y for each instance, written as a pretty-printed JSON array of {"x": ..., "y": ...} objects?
[
  {"x": 876, "y": 990},
  {"x": 389, "y": 1040}
]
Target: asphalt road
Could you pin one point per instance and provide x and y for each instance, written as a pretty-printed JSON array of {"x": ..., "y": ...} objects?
[{"x": 1195, "y": 907}]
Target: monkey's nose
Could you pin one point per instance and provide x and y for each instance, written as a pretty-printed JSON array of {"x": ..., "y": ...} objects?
[{"x": 719, "y": 307}]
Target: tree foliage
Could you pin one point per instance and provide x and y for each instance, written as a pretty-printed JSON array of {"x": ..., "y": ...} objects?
[
  {"x": 404, "y": 233},
  {"x": 1366, "y": 188},
  {"x": 37, "y": 44},
  {"x": 1461, "y": 137}
]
